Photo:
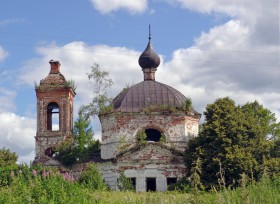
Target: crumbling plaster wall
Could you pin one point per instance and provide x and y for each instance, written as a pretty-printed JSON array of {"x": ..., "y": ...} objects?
[
  {"x": 149, "y": 161},
  {"x": 123, "y": 127}
]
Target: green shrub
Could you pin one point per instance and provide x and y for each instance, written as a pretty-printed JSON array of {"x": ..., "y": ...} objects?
[
  {"x": 141, "y": 137},
  {"x": 66, "y": 153},
  {"x": 6, "y": 174},
  {"x": 92, "y": 179},
  {"x": 182, "y": 185},
  {"x": 124, "y": 183},
  {"x": 7, "y": 158},
  {"x": 79, "y": 147}
]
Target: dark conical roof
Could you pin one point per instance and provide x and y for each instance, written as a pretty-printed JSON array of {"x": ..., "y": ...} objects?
[{"x": 149, "y": 58}]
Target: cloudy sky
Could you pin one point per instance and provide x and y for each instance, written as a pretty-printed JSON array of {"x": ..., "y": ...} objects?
[{"x": 208, "y": 49}]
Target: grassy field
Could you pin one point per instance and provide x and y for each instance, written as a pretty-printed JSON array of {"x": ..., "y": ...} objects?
[
  {"x": 56, "y": 190},
  {"x": 28, "y": 185}
]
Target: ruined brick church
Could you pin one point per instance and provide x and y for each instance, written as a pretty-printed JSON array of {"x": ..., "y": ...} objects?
[{"x": 144, "y": 136}]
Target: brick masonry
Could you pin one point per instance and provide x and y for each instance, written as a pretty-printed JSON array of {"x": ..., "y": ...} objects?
[
  {"x": 120, "y": 148},
  {"x": 159, "y": 160},
  {"x": 53, "y": 89}
]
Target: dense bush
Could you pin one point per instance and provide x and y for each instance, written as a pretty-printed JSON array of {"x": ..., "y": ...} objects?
[
  {"x": 124, "y": 183},
  {"x": 47, "y": 187},
  {"x": 183, "y": 185},
  {"x": 7, "y": 158},
  {"x": 36, "y": 184},
  {"x": 235, "y": 140},
  {"x": 81, "y": 146},
  {"x": 92, "y": 179}
]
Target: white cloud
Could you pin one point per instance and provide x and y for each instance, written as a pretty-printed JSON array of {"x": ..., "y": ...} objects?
[
  {"x": 262, "y": 17},
  {"x": 238, "y": 59},
  {"x": 228, "y": 7},
  {"x": 76, "y": 59},
  {"x": 17, "y": 134},
  {"x": 3, "y": 54},
  {"x": 5, "y": 22},
  {"x": 108, "y": 6},
  {"x": 6, "y": 100},
  {"x": 249, "y": 68}
]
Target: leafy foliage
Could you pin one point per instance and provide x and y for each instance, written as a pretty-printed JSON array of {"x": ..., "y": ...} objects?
[
  {"x": 101, "y": 103},
  {"x": 234, "y": 139},
  {"x": 124, "y": 183},
  {"x": 188, "y": 105},
  {"x": 81, "y": 146},
  {"x": 66, "y": 152},
  {"x": 42, "y": 185},
  {"x": 7, "y": 158},
  {"x": 71, "y": 84},
  {"x": 141, "y": 137},
  {"x": 36, "y": 184},
  {"x": 185, "y": 107},
  {"x": 196, "y": 172},
  {"x": 92, "y": 179},
  {"x": 183, "y": 185}
]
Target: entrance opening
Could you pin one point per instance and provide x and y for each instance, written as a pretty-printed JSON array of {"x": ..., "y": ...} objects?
[
  {"x": 133, "y": 182},
  {"x": 53, "y": 117},
  {"x": 151, "y": 184},
  {"x": 153, "y": 135},
  {"x": 171, "y": 180}
]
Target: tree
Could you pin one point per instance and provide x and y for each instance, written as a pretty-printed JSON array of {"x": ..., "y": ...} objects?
[
  {"x": 260, "y": 121},
  {"x": 101, "y": 102},
  {"x": 7, "y": 158},
  {"x": 195, "y": 176},
  {"x": 83, "y": 137},
  {"x": 81, "y": 146},
  {"x": 233, "y": 138}
]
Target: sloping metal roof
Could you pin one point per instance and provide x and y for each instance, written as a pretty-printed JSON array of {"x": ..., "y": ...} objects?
[{"x": 146, "y": 94}]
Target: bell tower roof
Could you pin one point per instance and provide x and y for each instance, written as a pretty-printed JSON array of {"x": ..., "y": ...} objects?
[{"x": 55, "y": 80}]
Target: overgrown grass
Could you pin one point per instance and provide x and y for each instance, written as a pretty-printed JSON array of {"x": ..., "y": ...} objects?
[
  {"x": 58, "y": 191},
  {"x": 51, "y": 187}
]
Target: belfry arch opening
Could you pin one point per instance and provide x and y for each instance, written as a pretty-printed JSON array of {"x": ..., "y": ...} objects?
[
  {"x": 153, "y": 134},
  {"x": 53, "y": 117}
]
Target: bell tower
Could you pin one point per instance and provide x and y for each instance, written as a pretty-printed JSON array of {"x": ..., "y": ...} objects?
[{"x": 55, "y": 97}]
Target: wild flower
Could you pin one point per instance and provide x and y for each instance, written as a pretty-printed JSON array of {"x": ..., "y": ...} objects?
[
  {"x": 44, "y": 174},
  {"x": 12, "y": 174},
  {"x": 68, "y": 177},
  {"x": 34, "y": 172}
]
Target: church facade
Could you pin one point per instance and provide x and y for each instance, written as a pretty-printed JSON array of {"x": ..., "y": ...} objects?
[{"x": 144, "y": 136}]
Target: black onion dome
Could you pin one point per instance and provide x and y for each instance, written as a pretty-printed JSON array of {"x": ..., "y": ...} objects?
[
  {"x": 147, "y": 94},
  {"x": 149, "y": 58}
]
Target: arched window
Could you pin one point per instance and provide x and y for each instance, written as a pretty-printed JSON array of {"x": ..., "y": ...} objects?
[
  {"x": 49, "y": 152},
  {"x": 53, "y": 117},
  {"x": 153, "y": 135}
]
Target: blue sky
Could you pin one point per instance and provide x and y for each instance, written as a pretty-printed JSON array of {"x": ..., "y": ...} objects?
[{"x": 208, "y": 49}]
